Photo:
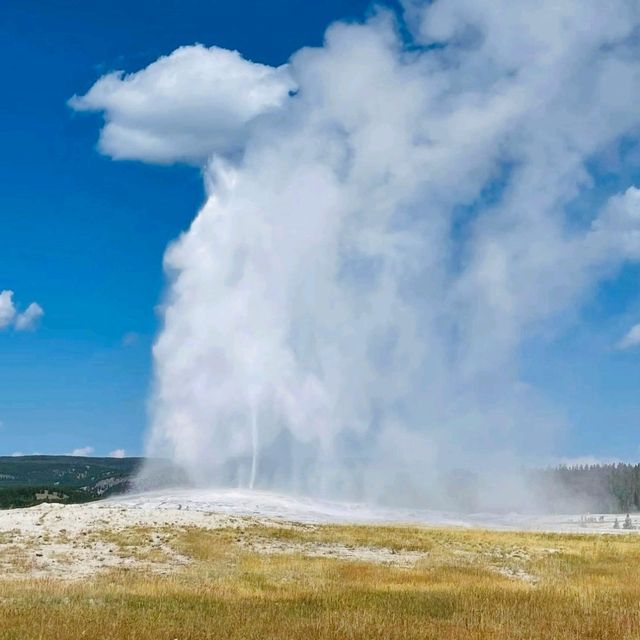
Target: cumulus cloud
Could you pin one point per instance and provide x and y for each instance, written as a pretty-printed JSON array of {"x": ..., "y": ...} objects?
[
  {"x": 7, "y": 309},
  {"x": 631, "y": 338},
  {"x": 118, "y": 453},
  {"x": 347, "y": 311},
  {"x": 10, "y": 316},
  {"x": 81, "y": 452},
  {"x": 28, "y": 319},
  {"x": 186, "y": 106}
]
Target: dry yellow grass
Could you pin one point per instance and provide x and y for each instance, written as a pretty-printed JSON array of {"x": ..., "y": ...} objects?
[{"x": 259, "y": 582}]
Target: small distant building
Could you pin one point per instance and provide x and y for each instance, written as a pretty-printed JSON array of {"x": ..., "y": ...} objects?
[{"x": 50, "y": 495}]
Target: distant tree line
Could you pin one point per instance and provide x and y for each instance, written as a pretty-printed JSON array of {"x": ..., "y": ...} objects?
[
  {"x": 19, "y": 497},
  {"x": 606, "y": 488}
]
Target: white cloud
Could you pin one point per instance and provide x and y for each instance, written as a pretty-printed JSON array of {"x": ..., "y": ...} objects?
[
  {"x": 27, "y": 320},
  {"x": 118, "y": 453},
  {"x": 186, "y": 106},
  {"x": 631, "y": 339},
  {"x": 10, "y": 316},
  {"x": 348, "y": 285},
  {"x": 81, "y": 452},
  {"x": 7, "y": 309},
  {"x": 17, "y": 454}
]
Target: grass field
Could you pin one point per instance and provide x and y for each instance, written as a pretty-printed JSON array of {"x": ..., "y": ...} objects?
[{"x": 307, "y": 582}]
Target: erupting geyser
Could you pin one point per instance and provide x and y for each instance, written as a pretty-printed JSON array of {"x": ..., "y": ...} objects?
[{"x": 386, "y": 223}]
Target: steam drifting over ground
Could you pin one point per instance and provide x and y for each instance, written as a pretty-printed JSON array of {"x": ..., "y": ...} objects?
[
  {"x": 387, "y": 222},
  {"x": 273, "y": 507}
]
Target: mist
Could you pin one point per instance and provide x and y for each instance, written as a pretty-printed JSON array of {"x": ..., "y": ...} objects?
[{"x": 390, "y": 219}]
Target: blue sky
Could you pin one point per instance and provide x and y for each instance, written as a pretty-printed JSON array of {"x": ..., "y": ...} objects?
[{"x": 84, "y": 235}]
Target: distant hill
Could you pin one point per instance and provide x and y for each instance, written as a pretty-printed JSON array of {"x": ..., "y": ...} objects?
[{"x": 29, "y": 480}]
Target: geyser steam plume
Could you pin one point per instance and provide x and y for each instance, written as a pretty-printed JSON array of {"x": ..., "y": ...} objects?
[{"x": 389, "y": 219}]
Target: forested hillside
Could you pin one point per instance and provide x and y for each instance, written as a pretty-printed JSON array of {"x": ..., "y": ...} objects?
[
  {"x": 28, "y": 480},
  {"x": 608, "y": 488}
]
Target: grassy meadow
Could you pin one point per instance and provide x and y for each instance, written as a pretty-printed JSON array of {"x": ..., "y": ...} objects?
[{"x": 262, "y": 582}]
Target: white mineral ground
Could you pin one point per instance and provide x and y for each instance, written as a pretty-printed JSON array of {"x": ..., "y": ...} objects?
[{"x": 77, "y": 541}]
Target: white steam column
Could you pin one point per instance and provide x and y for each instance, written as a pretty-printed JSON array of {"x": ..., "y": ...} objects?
[{"x": 254, "y": 445}]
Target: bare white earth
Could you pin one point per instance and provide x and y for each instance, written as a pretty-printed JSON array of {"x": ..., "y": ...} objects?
[
  {"x": 77, "y": 541},
  {"x": 137, "y": 531}
]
